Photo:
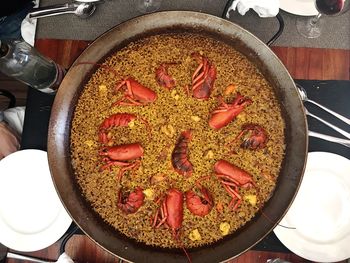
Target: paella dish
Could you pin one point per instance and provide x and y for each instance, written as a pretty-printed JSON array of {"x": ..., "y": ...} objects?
[{"x": 177, "y": 140}]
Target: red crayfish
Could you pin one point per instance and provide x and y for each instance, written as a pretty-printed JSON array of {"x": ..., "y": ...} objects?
[
  {"x": 179, "y": 156},
  {"x": 170, "y": 213},
  {"x": 232, "y": 177},
  {"x": 227, "y": 112},
  {"x": 254, "y": 136},
  {"x": 120, "y": 155},
  {"x": 135, "y": 93},
  {"x": 130, "y": 202},
  {"x": 163, "y": 78},
  {"x": 199, "y": 201},
  {"x": 117, "y": 120},
  {"x": 203, "y": 77}
]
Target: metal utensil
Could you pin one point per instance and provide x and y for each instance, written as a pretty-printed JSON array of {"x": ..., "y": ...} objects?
[
  {"x": 344, "y": 142},
  {"x": 80, "y": 9},
  {"x": 4, "y": 254},
  {"x": 303, "y": 95},
  {"x": 346, "y": 134},
  {"x": 21, "y": 257}
]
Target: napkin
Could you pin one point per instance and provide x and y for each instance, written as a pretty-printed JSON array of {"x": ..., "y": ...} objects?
[
  {"x": 9, "y": 141},
  {"x": 64, "y": 258},
  {"x": 15, "y": 118},
  {"x": 28, "y": 27},
  {"x": 264, "y": 8}
]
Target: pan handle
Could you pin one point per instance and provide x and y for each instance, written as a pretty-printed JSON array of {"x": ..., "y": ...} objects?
[
  {"x": 278, "y": 16},
  {"x": 10, "y": 96},
  {"x": 71, "y": 231},
  {"x": 279, "y": 32}
]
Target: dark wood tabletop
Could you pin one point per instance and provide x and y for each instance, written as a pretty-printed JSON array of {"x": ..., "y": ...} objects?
[{"x": 302, "y": 63}]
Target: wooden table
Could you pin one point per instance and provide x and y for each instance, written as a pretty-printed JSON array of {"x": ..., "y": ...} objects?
[{"x": 302, "y": 63}]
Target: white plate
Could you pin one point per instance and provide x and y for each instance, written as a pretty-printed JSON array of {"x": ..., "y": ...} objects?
[
  {"x": 320, "y": 212},
  {"x": 299, "y": 7},
  {"x": 32, "y": 216}
]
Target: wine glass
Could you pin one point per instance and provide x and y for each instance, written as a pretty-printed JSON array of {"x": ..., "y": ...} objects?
[
  {"x": 148, "y": 6},
  {"x": 311, "y": 28}
]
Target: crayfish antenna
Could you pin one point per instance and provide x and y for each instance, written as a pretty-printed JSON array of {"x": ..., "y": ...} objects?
[
  {"x": 269, "y": 219},
  {"x": 148, "y": 127},
  {"x": 228, "y": 144},
  {"x": 187, "y": 255},
  {"x": 182, "y": 247}
]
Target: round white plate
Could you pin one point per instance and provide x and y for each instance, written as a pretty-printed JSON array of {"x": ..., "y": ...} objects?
[
  {"x": 32, "y": 216},
  {"x": 299, "y": 7},
  {"x": 320, "y": 212}
]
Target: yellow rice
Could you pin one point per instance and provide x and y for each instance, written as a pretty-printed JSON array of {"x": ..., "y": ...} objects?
[{"x": 181, "y": 112}]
